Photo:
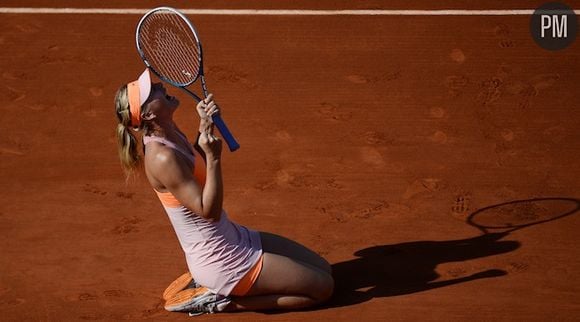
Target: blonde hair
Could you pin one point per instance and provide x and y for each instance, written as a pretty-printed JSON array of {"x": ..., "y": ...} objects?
[{"x": 127, "y": 141}]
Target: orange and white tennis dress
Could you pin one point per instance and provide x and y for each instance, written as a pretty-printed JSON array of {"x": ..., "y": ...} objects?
[{"x": 218, "y": 254}]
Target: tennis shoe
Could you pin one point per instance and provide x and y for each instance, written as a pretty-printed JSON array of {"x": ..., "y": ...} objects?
[
  {"x": 197, "y": 301},
  {"x": 184, "y": 281}
]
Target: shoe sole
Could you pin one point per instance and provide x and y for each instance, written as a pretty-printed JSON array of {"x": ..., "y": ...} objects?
[
  {"x": 184, "y": 300},
  {"x": 181, "y": 283}
]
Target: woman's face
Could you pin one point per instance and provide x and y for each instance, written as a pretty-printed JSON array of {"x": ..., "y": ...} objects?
[{"x": 159, "y": 101}]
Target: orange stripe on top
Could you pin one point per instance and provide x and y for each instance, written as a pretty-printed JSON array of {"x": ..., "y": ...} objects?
[
  {"x": 246, "y": 283},
  {"x": 169, "y": 200}
]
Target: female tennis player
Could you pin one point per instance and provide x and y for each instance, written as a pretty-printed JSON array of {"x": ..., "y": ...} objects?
[{"x": 231, "y": 267}]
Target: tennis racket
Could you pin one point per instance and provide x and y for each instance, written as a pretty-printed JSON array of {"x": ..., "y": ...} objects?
[
  {"x": 510, "y": 216},
  {"x": 170, "y": 47}
]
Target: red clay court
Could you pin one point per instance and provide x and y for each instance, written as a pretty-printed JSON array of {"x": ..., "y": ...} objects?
[{"x": 369, "y": 138}]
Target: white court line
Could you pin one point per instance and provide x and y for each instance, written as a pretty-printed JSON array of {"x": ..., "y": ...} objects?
[{"x": 281, "y": 12}]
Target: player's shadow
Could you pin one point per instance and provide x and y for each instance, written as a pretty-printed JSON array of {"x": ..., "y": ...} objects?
[{"x": 405, "y": 268}]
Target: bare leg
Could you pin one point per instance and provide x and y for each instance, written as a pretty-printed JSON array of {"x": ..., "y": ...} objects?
[
  {"x": 279, "y": 245},
  {"x": 270, "y": 302},
  {"x": 285, "y": 283}
]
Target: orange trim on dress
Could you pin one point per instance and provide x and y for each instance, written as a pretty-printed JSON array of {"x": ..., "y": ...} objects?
[
  {"x": 169, "y": 200},
  {"x": 246, "y": 283}
]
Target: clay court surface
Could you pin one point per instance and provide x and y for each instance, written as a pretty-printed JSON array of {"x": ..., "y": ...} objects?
[{"x": 370, "y": 139}]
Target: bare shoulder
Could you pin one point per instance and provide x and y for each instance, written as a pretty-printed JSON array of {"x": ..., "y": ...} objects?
[
  {"x": 158, "y": 156},
  {"x": 162, "y": 165}
]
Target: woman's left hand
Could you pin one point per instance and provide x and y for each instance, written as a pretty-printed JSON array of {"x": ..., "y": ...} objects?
[{"x": 210, "y": 144}]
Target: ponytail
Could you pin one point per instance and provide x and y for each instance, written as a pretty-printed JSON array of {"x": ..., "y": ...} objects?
[{"x": 127, "y": 142}]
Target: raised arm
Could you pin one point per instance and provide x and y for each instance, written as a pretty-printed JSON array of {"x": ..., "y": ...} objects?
[
  {"x": 211, "y": 147},
  {"x": 176, "y": 176}
]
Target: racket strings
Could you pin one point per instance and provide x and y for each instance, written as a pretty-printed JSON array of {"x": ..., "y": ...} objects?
[
  {"x": 516, "y": 215},
  {"x": 170, "y": 47}
]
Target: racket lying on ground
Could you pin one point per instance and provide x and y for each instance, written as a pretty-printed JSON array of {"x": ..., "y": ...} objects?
[
  {"x": 510, "y": 216},
  {"x": 170, "y": 47}
]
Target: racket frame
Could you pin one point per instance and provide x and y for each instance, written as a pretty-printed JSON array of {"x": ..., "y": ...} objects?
[
  {"x": 233, "y": 145},
  {"x": 487, "y": 229}
]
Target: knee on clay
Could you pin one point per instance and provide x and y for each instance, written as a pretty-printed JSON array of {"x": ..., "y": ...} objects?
[{"x": 324, "y": 288}]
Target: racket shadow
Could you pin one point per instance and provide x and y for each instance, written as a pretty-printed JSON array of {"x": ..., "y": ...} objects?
[
  {"x": 518, "y": 214},
  {"x": 406, "y": 268}
]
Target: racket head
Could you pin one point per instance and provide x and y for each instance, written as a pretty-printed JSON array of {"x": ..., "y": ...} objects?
[
  {"x": 510, "y": 216},
  {"x": 170, "y": 46}
]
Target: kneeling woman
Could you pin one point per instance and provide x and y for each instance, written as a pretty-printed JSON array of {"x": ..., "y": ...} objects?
[{"x": 233, "y": 267}]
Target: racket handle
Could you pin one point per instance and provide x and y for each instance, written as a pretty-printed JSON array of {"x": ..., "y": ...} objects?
[
  {"x": 221, "y": 125},
  {"x": 226, "y": 134}
]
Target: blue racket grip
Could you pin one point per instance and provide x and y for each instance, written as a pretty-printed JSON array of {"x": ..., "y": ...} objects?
[{"x": 226, "y": 134}]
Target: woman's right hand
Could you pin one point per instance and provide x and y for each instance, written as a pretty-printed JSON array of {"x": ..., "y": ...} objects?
[{"x": 211, "y": 144}]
